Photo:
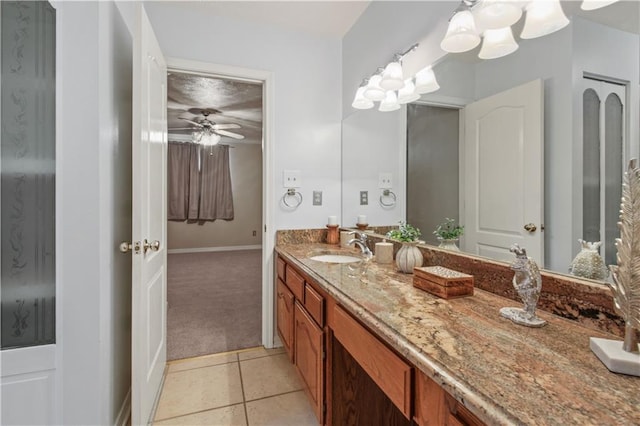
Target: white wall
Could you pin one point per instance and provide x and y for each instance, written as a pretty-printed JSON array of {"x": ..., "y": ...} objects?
[
  {"x": 245, "y": 163},
  {"x": 94, "y": 204},
  {"x": 307, "y": 91}
]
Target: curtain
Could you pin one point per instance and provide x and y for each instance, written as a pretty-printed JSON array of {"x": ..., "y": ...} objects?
[
  {"x": 183, "y": 185},
  {"x": 216, "y": 198},
  {"x": 199, "y": 183}
]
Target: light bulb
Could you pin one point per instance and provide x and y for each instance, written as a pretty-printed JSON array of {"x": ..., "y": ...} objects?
[
  {"x": 390, "y": 102},
  {"x": 360, "y": 102},
  {"x": 210, "y": 139},
  {"x": 495, "y": 14},
  {"x": 497, "y": 43},
  {"x": 392, "y": 76},
  {"x": 373, "y": 91},
  {"x": 426, "y": 81},
  {"x": 543, "y": 17},
  {"x": 461, "y": 33},
  {"x": 408, "y": 92}
]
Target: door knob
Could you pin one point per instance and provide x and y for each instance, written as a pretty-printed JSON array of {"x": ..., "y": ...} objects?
[
  {"x": 146, "y": 245},
  {"x": 530, "y": 227},
  {"x": 126, "y": 247}
]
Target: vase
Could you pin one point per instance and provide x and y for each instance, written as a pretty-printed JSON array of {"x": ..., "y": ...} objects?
[
  {"x": 408, "y": 257},
  {"x": 449, "y": 244},
  {"x": 588, "y": 263}
]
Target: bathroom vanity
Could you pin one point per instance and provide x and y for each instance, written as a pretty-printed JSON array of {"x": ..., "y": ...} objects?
[{"x": 372, "y": 349}]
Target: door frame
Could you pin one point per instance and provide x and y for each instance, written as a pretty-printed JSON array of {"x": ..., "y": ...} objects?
[{"x": 268, "y": 239}]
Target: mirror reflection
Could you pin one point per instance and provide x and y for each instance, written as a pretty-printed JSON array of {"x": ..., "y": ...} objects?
[{"x": 470, "y": 151}]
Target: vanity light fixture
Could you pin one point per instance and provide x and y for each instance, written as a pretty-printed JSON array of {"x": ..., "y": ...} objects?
[
  {"x": 426, "y": 81},
  {"x": 496, "y": 14},
  {"x": 392, "y": 75},
  {"x": 390, "y": 102},
  {"x": 373, "y": 91},
  {"x": 595, "y": 4},
  {"x": 360, "y": 102},
  {"x": 462, "y": 34},
  {"x": 497, "y": 43},
  {"x": 408, "y": 92},
  {"x": 543, "y": 18}
]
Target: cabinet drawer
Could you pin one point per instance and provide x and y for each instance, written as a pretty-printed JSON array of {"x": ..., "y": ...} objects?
[
  {"x": 314, "y": 304},
  {"x": 295, "y": 282},
  {"x": 388, "y": 370},
  {"x": 280, "y": 266}
]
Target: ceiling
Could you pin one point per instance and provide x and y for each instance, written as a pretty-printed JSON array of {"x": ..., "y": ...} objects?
[
  {"x": 238, "y": 102},
  {"x": 332, "y": 18}
]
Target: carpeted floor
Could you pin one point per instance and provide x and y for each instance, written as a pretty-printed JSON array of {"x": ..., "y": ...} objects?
[{"x": 215, "y": 302}]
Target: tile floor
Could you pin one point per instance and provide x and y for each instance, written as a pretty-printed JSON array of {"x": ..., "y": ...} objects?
[{"x": 250, "y": 387}]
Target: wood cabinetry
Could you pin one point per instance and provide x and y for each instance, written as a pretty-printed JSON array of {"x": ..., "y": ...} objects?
[
  {"x": 434, "y": 406},
  {"x": 363, "y": 380},
  {"x": 309, "y": 357}
]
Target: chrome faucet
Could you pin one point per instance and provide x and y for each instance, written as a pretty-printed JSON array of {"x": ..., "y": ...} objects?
[{"x": 361, "y": 241}]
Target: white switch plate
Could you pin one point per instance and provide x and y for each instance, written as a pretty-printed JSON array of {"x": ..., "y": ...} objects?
[
  {"x": 384, "y": 180},
  {"x": 291, "y": 179}
]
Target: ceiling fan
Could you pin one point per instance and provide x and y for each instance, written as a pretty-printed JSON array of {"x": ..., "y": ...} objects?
[{"x": 207, "y": 131}]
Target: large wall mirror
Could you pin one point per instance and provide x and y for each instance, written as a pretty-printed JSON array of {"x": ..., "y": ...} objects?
[{"x": 587, "y": 76}]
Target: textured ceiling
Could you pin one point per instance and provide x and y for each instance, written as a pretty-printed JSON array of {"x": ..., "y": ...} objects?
[{"x": 238, "y": 102}]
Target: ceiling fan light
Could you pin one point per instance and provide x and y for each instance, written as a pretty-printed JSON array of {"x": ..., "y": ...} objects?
[
  {"x": 497, "y": 43},
  {"x": 360, "y": 102},
  {"x": 210, "y": 139},
  {"x": 408, "y": 92},
  {"x": 595, "y": 4},
  {"x": 392, "y": 76},
  {"x": 461, "y": 33},
  {"x": 543, "y": 17},
  {"x": 390, "y": 102},
  {"x": 373, "y": 91},
  {"x": 426, "y": 81},
  {"x": 495, "y": 14}
]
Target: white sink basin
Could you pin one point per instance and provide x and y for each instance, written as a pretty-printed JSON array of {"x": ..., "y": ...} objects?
[{"x": 335, "y": 258}]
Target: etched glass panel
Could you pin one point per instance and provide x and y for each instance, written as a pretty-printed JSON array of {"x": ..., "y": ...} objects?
[
  {"x": 613, "y": 140},
  {"x": 27, "y": 169},
  {"x": 591, "y": 166}
]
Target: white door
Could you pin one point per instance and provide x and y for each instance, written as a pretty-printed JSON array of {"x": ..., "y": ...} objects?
[
  {"x": 149, "y": 293},
  {"x": 503, "y": 173}
]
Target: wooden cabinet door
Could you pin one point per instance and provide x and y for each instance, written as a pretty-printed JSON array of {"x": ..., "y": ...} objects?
[
  {"x": 284, "y": 308},
  {"x": 309, "y": 348}
]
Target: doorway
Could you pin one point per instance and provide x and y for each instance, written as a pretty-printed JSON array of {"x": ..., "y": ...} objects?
[{"x": 215, "y": 213}]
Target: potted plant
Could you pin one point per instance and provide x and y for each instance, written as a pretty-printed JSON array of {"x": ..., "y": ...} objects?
[
  {"x": 448, "y": 234},
  {"x": 409, "y": 255}
]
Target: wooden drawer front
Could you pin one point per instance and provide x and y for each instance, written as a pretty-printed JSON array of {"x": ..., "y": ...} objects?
[
  {"x": 280, "y": 266},
  {"x": 295, "y": 282},
  {"x": 388, "y": 370},
  {"x": 309, "y": 347},
  {"x": 285, "y": 307},
  {"x": 314, "y": 304}
]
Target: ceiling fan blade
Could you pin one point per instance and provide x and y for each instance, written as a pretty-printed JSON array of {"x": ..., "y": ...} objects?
[
  {"x": 229, "y": 134},
  {"x": 226, "y": 126},
  {"x": 181, "y": 128},
  {"x": 190, "y": 121}
]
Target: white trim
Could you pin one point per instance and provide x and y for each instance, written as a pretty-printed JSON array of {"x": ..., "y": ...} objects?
[
  {"x": 124, "y": 415},
  {"x": 208, "y": 249},
  {"x": 268, "y": 242}
]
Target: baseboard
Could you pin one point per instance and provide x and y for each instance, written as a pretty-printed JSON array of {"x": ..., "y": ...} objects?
[
  {"x": 124, "y": 414},
  {"x": 207, "y": 249}
]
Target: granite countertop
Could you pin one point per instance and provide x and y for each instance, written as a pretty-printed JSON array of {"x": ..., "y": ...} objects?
[{"x": 503, "y": 372}]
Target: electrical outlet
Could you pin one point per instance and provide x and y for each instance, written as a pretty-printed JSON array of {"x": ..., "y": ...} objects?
[
  {"x": 317, "y": 198},
  {"x": 291, "y": 179},
  {"x": 364, "y": 198},
  {"x": 384, "y": 180},
  {"x": 254, "y": 233}
]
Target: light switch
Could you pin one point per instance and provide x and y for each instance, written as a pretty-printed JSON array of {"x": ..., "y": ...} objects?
[
  {"x": 317, "y": 198},
  {"x": 291, "y": 179}
]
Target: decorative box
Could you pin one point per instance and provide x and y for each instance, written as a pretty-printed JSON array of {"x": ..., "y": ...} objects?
[{"x": 443, "y": 282}]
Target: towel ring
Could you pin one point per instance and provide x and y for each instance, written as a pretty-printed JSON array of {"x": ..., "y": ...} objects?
[
  {"x": 291, "y": 192},
  {"x": 388, "y": 194}
]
